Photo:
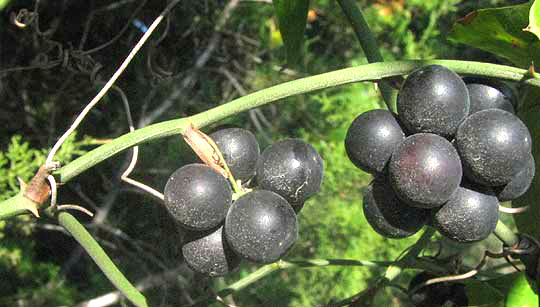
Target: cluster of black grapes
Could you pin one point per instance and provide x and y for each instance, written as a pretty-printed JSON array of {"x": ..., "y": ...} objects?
[
  {"x": 258, "y": 224},
  {"x": 453, "y": 152}
]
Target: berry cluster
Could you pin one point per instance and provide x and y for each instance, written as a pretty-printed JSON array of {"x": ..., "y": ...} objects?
[
  {"x": 259, "y": 224},
  {"x": 454, "y": 152}
]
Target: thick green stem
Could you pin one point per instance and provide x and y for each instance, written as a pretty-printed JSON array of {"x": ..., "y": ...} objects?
[
  {"x": 16, "y": 205},
  {"x": 368, "y": 42},
  {"x": 99, "y": 256},
  {"x": 368, "y": 72},
  {"x": 505, "y": 234}
]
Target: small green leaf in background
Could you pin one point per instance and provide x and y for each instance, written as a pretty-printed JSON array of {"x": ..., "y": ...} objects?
[
  {"x": 481, "y": 294},
  {"x": 500, "y": 31},
  {"x": 534, "y": 19},
  {"x": 292, "y": 16},
  {"x": 521, "y": 294}
]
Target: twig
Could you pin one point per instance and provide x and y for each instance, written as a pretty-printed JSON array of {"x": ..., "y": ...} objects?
[{"x": 111, "y": 81}]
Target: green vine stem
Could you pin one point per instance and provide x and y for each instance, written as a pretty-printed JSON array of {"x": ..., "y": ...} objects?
[
  {"x": 393, "y": 268},
  {"x": 368, "y": 42},
  {"x": 505, "y": 234},
  {"x": 284, "y": 265},
  {"x": 368, "y": 72},
  {"x": 99, "y": 256},
  {"x": 16, "y": 205},
  {"x": 392, "y": 272}
]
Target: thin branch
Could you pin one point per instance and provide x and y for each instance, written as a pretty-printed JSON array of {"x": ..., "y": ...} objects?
[{"x": 109, "y": 83}]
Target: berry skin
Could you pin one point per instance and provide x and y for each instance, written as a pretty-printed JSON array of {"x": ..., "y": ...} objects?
[
  {"x": 291, "y": 168},
  {"x": 207, "y": 253},
  {"x": 388, "y": 215},
  {"x": 197, "y": 196},
  {"x": 470, "y": 215},
  {"x": 433, "y": 99},
  {"x": 371, "y": 138},
  {"x": 519, "y": 184},
  {"x": 494, "y": 146},
  {"x": 240, "y": 150},
  {"x": 425, "y": 170},
  {"x": 489, "y": 94},
  {"x": 261, "y": 226}
]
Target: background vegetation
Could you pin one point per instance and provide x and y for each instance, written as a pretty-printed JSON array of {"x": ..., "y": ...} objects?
[{"x": 206, "y": 53}]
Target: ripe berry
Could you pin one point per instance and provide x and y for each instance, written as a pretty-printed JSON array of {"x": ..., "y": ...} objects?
[
  {"x": 388, "y": 215},
  {"x": 240, "y": 151},
  {"x": 494, "y": 146},
  {"x": 371, "y": 138},
  {"x": 433, "y": 99},
  {"x": 425, "y": 170},
  {"x": 261, "y": 226},
  {"x": 519, "y": 184},
  {"x": 291, "y": 168},
  {"x": 207, "y": 253},
  {"x": 470, "y": 215},
  {"x": 197, "y": 196},
  {"x": 489, "y": 94}
]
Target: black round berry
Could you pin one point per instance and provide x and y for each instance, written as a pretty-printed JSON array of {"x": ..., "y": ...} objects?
[
  {"x": 371, "y": 138},
  {"x": 240, "y": 150},
  {"x": 388, "y": 215},
  {"x": 261, "y": 226},
  {"x": 433, "y": 99},
  {"x": 487, "y": 96},
  {"x": 425, "y": 170},
  {"x": 519, "y": 184},
  {"x": 494, "y": 146},
  {"x": 291, "y": 168},
  {"x": 197, "y": 196},
  {"x": 470, "y": 215},
  {"x": 207, "y": 253}
]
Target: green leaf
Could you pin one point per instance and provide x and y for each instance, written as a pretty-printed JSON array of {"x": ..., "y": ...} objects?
[
  {"x": 500, "y": 31},
  {"x": 534, "y": 19},
  {"x": 483, "y": 294},
  {"x": 521, "y": 294},
  {"x": 292, "y": 16}
]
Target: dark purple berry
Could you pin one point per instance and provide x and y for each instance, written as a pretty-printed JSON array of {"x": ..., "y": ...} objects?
[
  {"x": 207, "y": 253},
  {"x": 240, "y": 150},
  {"x": 494, "y": 146},
  {"x": 519, "y": 184},
  {"x": 470, "y": 215},
  {"x": 389, "y": 216},
  {"x": 291, "y": 168},
  {"x": 425, "y": 170},
  {"x": 261, "y": 226},
  {"x": 371, "y": 138},
  {"x": 433, "y": 99},
  {"x": 197, "y": 196},
  {"x": 488, "y": 95}
]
